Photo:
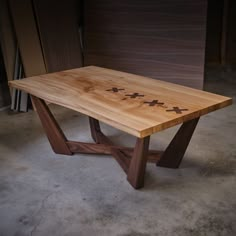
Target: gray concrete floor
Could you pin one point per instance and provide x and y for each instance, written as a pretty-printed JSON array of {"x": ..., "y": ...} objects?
[{"x": 42, "y": 193}]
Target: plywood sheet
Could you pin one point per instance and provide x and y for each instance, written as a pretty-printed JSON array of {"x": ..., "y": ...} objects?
[{"x": 58, "y": 23}]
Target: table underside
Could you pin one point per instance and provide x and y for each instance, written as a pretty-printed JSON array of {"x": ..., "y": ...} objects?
[{"x": 132, "y": 160}]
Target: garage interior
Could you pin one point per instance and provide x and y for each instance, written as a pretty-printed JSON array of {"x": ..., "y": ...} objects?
[{"x": 191, "y": 43}]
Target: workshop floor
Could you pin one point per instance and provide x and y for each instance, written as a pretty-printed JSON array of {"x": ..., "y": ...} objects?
[{"x": 42, "y": 193}]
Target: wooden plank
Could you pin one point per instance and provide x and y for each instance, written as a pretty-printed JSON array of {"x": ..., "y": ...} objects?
[
  {"x": 142, "y": 107},
  {"x": 27, "y": 37},
  {"x": 7, "y": 40},
  {"x": 59, "y": 33},
  {"x": 159, "y": 39}
]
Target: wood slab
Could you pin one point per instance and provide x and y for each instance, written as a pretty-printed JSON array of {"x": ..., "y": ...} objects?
[{"x": 137, "y": 105}]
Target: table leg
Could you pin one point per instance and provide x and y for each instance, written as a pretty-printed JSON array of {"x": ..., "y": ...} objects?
[
  {"x": 174, "y": 153},
  {"x": 97, "y": 134},
  {"x": 133, "y": 161},
  {"x": 54, "y": 133},
  {"x": 94, "y": 128},
  {"x": 137, "y": 167}
]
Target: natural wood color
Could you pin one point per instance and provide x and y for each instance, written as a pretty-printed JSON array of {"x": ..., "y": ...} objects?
[
  {"x": 100, "y": 148},
  {"x": 85, "y": 90},
  {"x": 27, "y": 37},
  {"x": 121, "y": 157},
  {"x": 174, "y": 153},
  {"x": 135, "y": 104},
  {"x": 96, "y": 132},
  {"x": 138, "y": 162},
  {"x": 54, "y": 133},
  {"x": 134, "y": 165},
  {"x": 88, "y": 148},
  {"x": 94, "y": 128}
]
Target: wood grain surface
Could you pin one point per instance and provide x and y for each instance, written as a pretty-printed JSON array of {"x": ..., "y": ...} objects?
[
  {"x": 155, "y": 38},
  {"x": 58, "y": 23},
  {"x": 27, "y": 37},
  {"x": 137, "y": 105}
]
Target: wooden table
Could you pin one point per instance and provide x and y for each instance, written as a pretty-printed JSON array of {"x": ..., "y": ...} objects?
[{"x": 137, "y": 105}]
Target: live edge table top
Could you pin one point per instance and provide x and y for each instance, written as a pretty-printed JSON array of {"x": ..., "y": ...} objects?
[{"x": 135, "y": 104}]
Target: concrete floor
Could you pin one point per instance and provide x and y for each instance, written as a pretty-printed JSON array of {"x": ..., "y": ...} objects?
[{"x": 46, "y": 194}]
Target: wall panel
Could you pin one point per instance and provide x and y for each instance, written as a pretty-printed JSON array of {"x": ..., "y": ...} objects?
[{"x": 156, "y": 38}]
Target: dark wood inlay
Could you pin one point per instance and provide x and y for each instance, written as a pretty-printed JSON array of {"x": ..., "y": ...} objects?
[
  {"x": 134, "y": 95},
  {"x": 115, "y": 90},
  {"x": 177, "y": 110},
  {"x": 154, "y": 102}
]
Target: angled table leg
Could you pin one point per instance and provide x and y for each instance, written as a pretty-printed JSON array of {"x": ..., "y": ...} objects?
[
  {"x": 133, "y": 161},
  {"x": 54, "y": 133},
  {"x": 138, "y": 163},
  {"x": 100, "y": 138},
  {"x": 96, "y": 132},
  {"x": 174, "y": 153},
  {"x": 134, "y": 165},
  {"x": 94, "y": 128}
]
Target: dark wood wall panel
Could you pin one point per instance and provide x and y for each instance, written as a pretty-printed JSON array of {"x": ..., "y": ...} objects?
[
  {"x": 58, "y": 23},
  {"x": 214, "y": 31},
  {"x": 231, "y": 34},
  {"x": 156, "y": 38}
]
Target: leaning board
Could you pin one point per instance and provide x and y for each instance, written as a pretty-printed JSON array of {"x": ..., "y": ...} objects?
[
  {"x": 135, "y": 104},
  {"x": 59, "y": 33},
  {"x": 27, "y": 37}
]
